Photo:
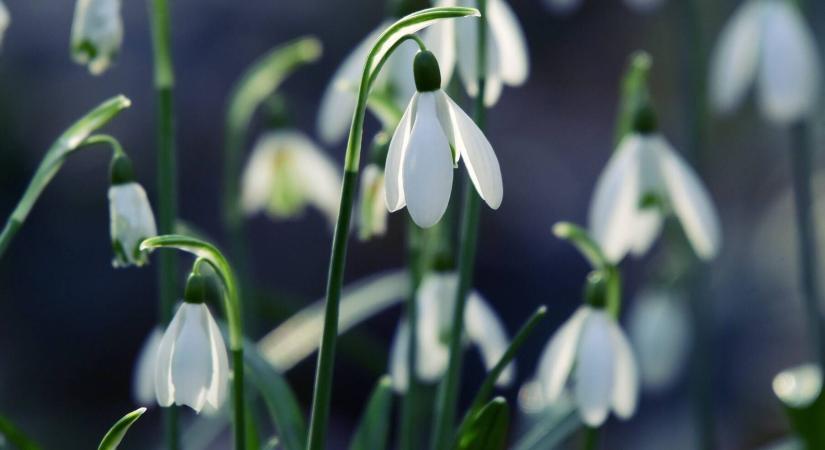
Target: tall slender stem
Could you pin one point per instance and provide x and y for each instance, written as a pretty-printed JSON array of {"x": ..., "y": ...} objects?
[
  {"x": 449, "y": 390},
  {"x": 167, "y": 189},
  {"x": 806, "y": 236},
  {"x": 591, "y": 438}
]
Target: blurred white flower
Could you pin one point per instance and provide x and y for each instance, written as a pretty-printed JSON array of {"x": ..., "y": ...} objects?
[
  {"x": 644, "y": 179},
  {"x": 97, "y": 33},
  {"x": 143, "y": 378},
  {"x": 372, "y": 220},
  {"x": 131, "y": 221},
  {"x": 568, "y": 6},
  {"x": 767, "y": 42},
  {"x": 435, "y": 302},
  {"x": 798, "y": 387},
  {"x": 507, "y": 59},
  {"x": 5, "y": 20},
  {"x": 659, "y": 328},
  {"x": 192, "y": 366},
  {"x": 286, "y": 172},
  {"x": 420, "y": 161},
  {"x": 593, "y": 347}
]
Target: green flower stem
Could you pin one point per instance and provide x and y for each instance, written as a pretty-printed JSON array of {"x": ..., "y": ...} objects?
[
  {"x": 447, "y": 400},
  {"x": 385, "y": 44},
  {"x": 591, "y": 438},
  {"x": 806, "y": 236},
  {"x": 71, "y": 140},
  {"x": 164, "y": 80},
  {"x": 232, "y": 311},
  {"x": 414, "y": 236}
]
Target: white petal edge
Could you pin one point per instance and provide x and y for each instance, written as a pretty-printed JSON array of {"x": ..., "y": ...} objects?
[
  {"x": 556, "y": 360},
  {"x": 735, "y": 58},
  {"x": 219, "y": 382},
  {"x": 143, "y": 380},
  {"x": 479, "y": 157},
  {"x": 164, "y": 387},
  {"x": 427, "y": 167},
  {"x": 393, "y": 187},
  {"x": 626, "y": 383},
  {"x": 514, "y": 63},
  {"x": 486, "y": 330},
  {"x": 318, "y": 175},
  {"x": 399, "y": 357},
  {"x": 435, "y": 300},
  {"x": 192, "y": 360},
  {"x": 595, "y": 369}
]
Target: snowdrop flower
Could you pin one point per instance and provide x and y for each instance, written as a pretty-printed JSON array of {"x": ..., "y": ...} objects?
[
  {"x": 767, "y": 43},
  {"x": 456, "y": 42},
  {"x": 192, "y": 367},
  {"x": 373, "y": 212},
  {"x": 143, "y": 380},
  {"x": 97, "y": 33},
  {"x": 131, "y": 217},
  {"x": 644, "y": 179},
  {"x": 420, "y": 161},
  {"x": 592, "y": 348},
  {"x": 285, "y": 173},
  {"x": 568, "y": 6},
  {"x": 660, "y": 331},
  {"x": 5, "y": 20},
  {"x": 435, "y": 302}
]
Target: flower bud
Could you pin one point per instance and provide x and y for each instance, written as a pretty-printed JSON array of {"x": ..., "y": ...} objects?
[
  {"x": 426, "y": 72},
  {"x": 97, "y": 33}
]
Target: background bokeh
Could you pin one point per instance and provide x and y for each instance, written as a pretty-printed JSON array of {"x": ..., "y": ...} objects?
[{"x": 70, "y": 325}]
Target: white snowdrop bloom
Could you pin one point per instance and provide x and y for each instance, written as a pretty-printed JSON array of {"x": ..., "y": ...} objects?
[
  {"x": 435, "y": 302},
  {"x": 143, "y": 378},
  {"x": 5, "y": 20},
  {"x": 568, "y": 6},
  {"x": 592, "y": 348},
  {"x": 420, "y": 161},
  {"x": 286, "y": 172},
  {"x": 644, "y": 179},
  {"x": 659, "y": 328},
  {"x": 767, "y": 43},
  {"x": 97, "y": 33},
  {"x": 798, "y": 387},
  {"x": 192, "y": 366},
  {"x": 372, "y": 220},
  {"x": 130, "y": 215},
  {"x": 456, "y": 42}
]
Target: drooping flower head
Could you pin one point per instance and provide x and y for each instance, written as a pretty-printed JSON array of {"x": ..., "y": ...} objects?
[
  {"x": 591, "y": 351},
  {"x": 192, "y": 366},
  {"x": 435, "y": 301},
  {"x": 644, "y": 181},
  {"x": 97, "y": 33},
  {"x": 433, "y": 135},
  {"x": 287, "y": 172},
  {"x": 131, "y": 217},
  {"x": 767, "y": 44}
]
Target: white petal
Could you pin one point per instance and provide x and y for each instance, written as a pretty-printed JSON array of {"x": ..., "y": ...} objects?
[
  {"x": 626, "y": 387},
  {"x": 192, "y": 358},
  {"x": 395, "y": 155},
  {"x": 97, "y": 33},
  {"x": 644, "y": 6},
  {"x": 398, "y": 69},
  {"x": 317, "y": 174},
  {"x": 648, "y": 225},
  {"x": 440, "y": 39},
  {"x": 435, "y": 301},
  {"x": 5, "y": 19},
  {"x": 486, "y": 330},
  {"x": 595, "y": 369},
  {"x": 562, "y": 6},
  {"x": 164, "y": 387},
  {"x": 256, "y": 181},
  {"x": 513, "y": 62},
  {"x": 691, "y": 203},
  {"x": 789, "y": 72},
  {"x": 735, "y": 57},
  {"x": 613, "y": 209},
  {"x": 338, "y": 102},
  {"x": 219, "y": 382},
  {"x": 557, "y": 358},
  {"x": 470, "y": 142},
  {"x": 399, "y": 357},
  {"x": 372, "y": 219},
  {"x": 467, "y": 43},
  {"x": 131, "y": 221},
  {"x": 427, "y": 168},
  {"x": 143, "y": 380}
]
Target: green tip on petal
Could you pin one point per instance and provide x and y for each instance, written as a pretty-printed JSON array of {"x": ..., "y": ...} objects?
[
  {"x": 595, "y": 290},
  {"x": 195, "y": 288},
  {"x": 426, "y": 71}
]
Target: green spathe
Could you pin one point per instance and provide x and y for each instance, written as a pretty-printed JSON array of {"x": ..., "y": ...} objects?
[{"x": 426, "y": 71}]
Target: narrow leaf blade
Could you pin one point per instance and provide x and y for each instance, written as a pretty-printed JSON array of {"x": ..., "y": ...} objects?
[
  {"x": 14, "y": 436},
  {"x": 374, "y": 427},
  {"x": 115, "y": 434},
  {"x": 488, "y": 429}
]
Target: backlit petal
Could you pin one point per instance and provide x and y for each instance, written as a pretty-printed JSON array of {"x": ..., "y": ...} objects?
[
  {"x": 513, "y": 61},
  {"x": 626, "y": 383},
  {"x": 164, "y": 386},
  {"x": 399, "y": 357},
  {"x": 485, "y": 329},
  {"x": 595, "y": 369},
  {"x": 143, "y": 381},
  {"x": 393, "y": 185},
  {"x": 192, "y": 358},
  {"x": 735, "y": 58},
  {"x": 219, "y": 382},
  {"x": 556, "y": 360}
]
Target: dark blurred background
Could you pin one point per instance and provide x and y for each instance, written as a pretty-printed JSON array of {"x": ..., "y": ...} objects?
[{"x": 71, "y": 325}]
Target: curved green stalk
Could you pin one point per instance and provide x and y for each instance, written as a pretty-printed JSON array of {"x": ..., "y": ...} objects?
[
  {"x": 118, "y": 431},
  {"x": 232, "y": 310},
  {"x": 447, "y": 400},
  {"x": 384, "y": 45},
  {"x": 71, "y": 139}
]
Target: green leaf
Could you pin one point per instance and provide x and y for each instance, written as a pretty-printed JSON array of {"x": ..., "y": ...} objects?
[
  {"x": 374, "y": 427},
  {"x": 560, "y": 421},
  {"x": 488, "y": 428},
  {"x": 489, "y": 383},
  {"x": 634, "y": 92},
  {"x": 15, "y": 437},
  {"x": 279, "y": 399},
  {"x": 298, "y": 337},
  {"x": 119, "y": 429}
]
